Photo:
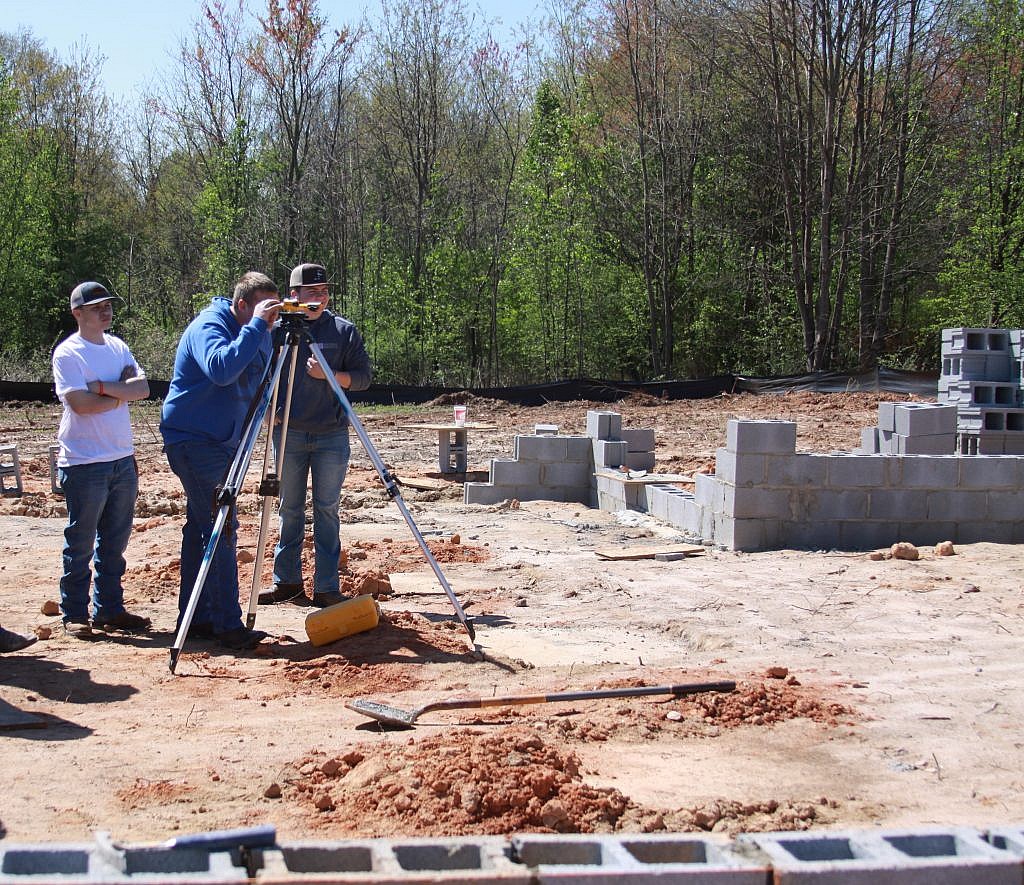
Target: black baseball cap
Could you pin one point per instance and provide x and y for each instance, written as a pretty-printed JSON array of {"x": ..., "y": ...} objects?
[
  {"x": 89, "y": 293},
  {"x": 308, "y": 275}
]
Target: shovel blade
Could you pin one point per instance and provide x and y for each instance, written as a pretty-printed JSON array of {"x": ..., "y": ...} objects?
[{"x": 383, "y": 712}]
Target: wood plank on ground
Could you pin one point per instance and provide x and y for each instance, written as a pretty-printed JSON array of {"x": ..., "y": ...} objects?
[
  {"x": 424, "y": 484},
  {"x": 648, "y": 552}
]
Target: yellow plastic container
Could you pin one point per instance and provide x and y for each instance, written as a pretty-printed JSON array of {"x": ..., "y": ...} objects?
[{"x": 343, "y": 619}]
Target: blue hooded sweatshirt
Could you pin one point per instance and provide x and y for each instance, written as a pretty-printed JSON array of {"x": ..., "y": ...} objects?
[{"x": 217, "y": 371}]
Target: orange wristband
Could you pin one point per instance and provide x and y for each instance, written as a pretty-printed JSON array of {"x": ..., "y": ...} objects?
[{"x": 100, "y": 391}]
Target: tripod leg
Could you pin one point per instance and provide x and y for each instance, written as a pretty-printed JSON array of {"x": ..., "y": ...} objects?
[
  {"x": 232, "y": 483},
  {"x": 390, "y": 486},
  {"x": 270, "y": 485}
]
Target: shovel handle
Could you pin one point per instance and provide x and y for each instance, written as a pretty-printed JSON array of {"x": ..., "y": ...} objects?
[{"x": 516, "y": 700}]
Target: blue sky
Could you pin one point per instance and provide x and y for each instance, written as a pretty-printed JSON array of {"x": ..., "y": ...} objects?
[{"x": 138, "y": 37}]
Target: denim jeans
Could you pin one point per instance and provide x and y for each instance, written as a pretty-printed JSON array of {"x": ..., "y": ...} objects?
[
  {"x": 101, "y": 504},
  {"x": 324, "y": 457},
  {"x": 201, "y": 467}
]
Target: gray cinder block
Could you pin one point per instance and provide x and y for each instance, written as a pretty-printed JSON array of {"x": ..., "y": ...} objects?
[
  {"x": 761, "y": 437},
  {"x": 1005, "y": 506},
  {"x": 515, "y": 473},
  {"x": 545, "y": 429},
  {"x": 638, "y": 439},
  {"x": 953, "y": 505},
  {"x": 740, "y": 468},
  {"x": 928, "y": 472},
  {"x": 887, "y": 417},
  {"x": 639, "y": 461},
  {"x": 609, "y": 453},
  {"x": 854, "y": 471},
  {"x": 894, "y": 505},
  {"x": 541, "y": 448},
  {"x": 744, "y": 502},
  {"x": 939, "y": 444},
  {"x": 869, "y": 440},
  {"x": 485, "y": 493},
  {"x": 795, "y": 470},
  {"x": 866, "y": 534},
  {"x": 568, "y": 473},
  {"x": 991, "y": 472},
  {"x": 924, "y": 419},
  {"x": 603, "y": 425},
  {"x": 746, "y": 535},
  {"x": 707, "y": 490}
]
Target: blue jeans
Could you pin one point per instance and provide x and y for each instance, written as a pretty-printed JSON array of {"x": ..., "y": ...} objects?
[
  {"x": 101, "y": 503},
  {"x": 201, "y": 467},
  {"x": 325, "y": 456}
]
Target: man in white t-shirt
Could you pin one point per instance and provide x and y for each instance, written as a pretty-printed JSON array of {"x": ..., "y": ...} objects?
[{"x": 96, "y": 377}]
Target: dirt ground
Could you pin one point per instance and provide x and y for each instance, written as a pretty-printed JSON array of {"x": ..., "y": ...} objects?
[{"x": 868, "y": 692}]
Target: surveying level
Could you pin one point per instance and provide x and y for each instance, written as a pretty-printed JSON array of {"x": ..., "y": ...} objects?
[{"x": 293, "y": 305}]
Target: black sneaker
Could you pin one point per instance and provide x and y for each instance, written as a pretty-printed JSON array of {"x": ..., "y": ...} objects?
[
  {"x": 322, "y": 600},
  {"x": 293, "y": 593},
  {"x": 241, "y": 638}
]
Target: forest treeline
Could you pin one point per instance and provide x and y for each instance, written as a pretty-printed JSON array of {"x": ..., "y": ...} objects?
[{"x": 633, "y": 189}]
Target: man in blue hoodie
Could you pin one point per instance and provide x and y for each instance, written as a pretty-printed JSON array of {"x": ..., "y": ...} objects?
[
  {"x": 316, "y": 451},
  {"x": 220, "y": 361}
]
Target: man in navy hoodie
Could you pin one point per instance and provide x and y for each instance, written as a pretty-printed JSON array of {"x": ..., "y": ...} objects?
[
  {"x": 316, "y": 451},
  {"x": 219, "y": 364}
]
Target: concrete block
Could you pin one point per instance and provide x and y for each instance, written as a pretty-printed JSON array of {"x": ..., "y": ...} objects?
[
  {"x": 896, "y": 505},
  {"x": 485, "y": 493},
  {"x": 545, "y": 430},
  {"x": 638, "y": 439},
  {"x": 740, "y": 469},
  {"x": 992, "y": 532},
  {"x": 960, "y": 339},
  {"x": 567, "y": 473},
  {"x": 980, "y": 393},
  {"x": 926, "y": 472},
  {"x": 688, "y": 858},
  {"x": 579, "y": 448},
  {"x": 761, "y": 437},
  {"x": 937, "y": 444},
  {"x": 658, "y": 497},
  {"x": 603, "y": 424},
  {"x": 990, "y": 472},
  {"x": 611, "y": 502},
  {"x": 709, "y": 492},
  {"x": 887, "y": 417},
  {"x": 692, "y": 516},
  {"x": 1009, "y": 838},
  {"x": 707, "y": 525},
  {"x": 886, "y": 446},
  {"x": 609, "y": 453},
  {"x": 744, "y": 502},
  {"x": 515, "y": 473},
  {"x": 869, "y": 440},
  {"x": 954, "y": 505},
  {"x": 812, "y": 535},
  {"x": 928, "y": 533},
  {"x": 866, "y": 534},
  {"x": 827, "y": 505},
  {"x": 740, "y": 534},
  {"x": 924, "y": 419},
  {"x": 1013, "y": 444},
  {"x": 952, "y": 857},
  {"x": 1005, "y": 506},
  {"x": 540, "y": 448},
  {"x": 855, "y": 471},
  {"x": 795, "y": 471},
  {"x": 639, "y": 461}
]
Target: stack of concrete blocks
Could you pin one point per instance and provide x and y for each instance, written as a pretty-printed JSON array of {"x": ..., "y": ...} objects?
[
  {"x": 982, "y": 377},
  {"x": 548, "y": 466},
  {"x": 912, "y": 429},
  {"x": 765, "y": 496}
]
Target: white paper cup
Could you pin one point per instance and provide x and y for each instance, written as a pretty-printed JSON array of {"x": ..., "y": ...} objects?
[{"x": 460, "y": 416}]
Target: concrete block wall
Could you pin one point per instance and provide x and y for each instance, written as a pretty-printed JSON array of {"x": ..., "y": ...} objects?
[
  {"x": 764, "y": 495},
  {"x": 548, "y": 466},
  {"x": 913, "y": 856}
]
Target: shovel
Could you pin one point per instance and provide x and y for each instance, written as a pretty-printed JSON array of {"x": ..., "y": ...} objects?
[{"x": 406, "y": 718}]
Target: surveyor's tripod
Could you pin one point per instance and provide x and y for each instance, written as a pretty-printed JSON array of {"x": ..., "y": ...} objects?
[{"x": 288, "y": 334}]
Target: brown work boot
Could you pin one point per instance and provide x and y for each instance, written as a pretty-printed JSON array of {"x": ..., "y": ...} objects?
[
  {"x": 123, "y": 622},
  {"x": 293, "y": 593}
]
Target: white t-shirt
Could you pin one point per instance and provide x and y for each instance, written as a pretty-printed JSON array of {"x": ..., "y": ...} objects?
[{"x": 90, "y": 439}]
